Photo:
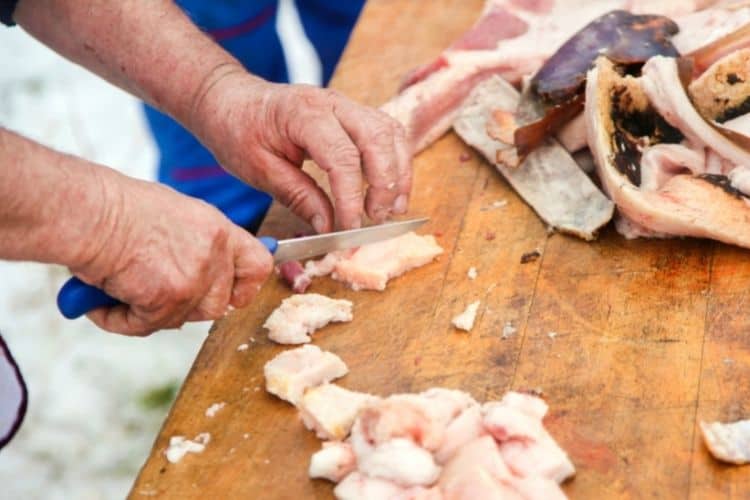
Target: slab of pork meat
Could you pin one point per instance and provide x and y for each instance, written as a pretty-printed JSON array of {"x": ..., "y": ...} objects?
[
  {"x": 300, "y": 315},
  {"x": 550, "y": 181},
  {"x": 511, "y": 39},
  {"x": 330, "y": 410},
  {"x": 292, "y": 372},
  {"x": 728, "y": 442},
  {"x": 622, "y": 122}
]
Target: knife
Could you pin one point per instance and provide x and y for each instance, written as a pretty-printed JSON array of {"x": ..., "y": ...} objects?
[{"x": 76, "y": 298}]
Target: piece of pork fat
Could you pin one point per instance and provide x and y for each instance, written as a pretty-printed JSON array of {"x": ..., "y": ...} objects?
[
  {"x": 728, "y": 442},
  {"x": 550, "y": 181},
  {"x": 291, "y": 372},
  {"x": 358, "y": 486},
  {"x": 700, "y": 29},
  {"x": 330, "y": 410},
  {"x": 512, "y": 38},
  {"x": 704, "y": 206},
  {"x": 334, "y": 461},
  {"x": 371, "y": 266},
  {"x": 300, "y": 315},
  {"x": 526, "y": 446},
  {"x": 401, "y": 461}
]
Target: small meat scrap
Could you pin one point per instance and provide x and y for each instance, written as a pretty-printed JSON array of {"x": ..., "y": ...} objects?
[
  {"x": 472, "y": 273},
  {"x": 728, "y": 442},
  {"x": 330, "y": 410},
  {"x": 179, "y": 446},
  {"x": 333, "y": 462},
  {"x": 465, "y": 320},
  {"x": 532, "y": 256},
  {"x": 294, "y": 274},
  {"x": 300, "y": 315},
  {"x": 509, "y": 330},
  {"x": 291, "y": 372},
  {"x": 371, "y": 266},
  {"x": 215, "y": 408}
]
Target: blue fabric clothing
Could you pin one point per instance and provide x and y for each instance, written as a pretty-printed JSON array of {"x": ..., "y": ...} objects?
[
  {"x": 247, "y": 30},
  {"x": 7, "y": 7}
]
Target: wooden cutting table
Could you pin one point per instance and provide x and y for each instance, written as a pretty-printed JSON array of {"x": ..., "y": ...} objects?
[{"x": 651, "y": 336}]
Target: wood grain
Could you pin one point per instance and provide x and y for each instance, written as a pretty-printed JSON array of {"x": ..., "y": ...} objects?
[{"x": 648, "y": 337}]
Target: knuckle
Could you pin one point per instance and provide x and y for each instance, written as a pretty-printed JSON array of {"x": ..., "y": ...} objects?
[
  {"x": 295, "y": 197},
  {"x": 344, "y": 154}
]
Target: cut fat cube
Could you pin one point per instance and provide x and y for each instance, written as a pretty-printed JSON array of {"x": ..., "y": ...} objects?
[
  {"x": 333, "y": 462},
  {"x": 371, "y": 266},
  {"x": 291, "y": 372},
  {"x": 330, "y": 410},
  {"x": 728, "y": 442},
  {"x": 300, "y": 315},
  {"x": 465, "y": 320}
]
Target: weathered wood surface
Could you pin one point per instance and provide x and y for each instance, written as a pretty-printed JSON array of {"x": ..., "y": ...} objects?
[{"x": 652, "y": 336}]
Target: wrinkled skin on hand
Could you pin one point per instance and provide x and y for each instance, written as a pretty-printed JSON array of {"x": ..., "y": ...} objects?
[
  {"x": 171, "y": 258},
  {"x": 263, "y": 132}
]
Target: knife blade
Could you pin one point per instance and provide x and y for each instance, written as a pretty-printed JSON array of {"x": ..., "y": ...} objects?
[
  {"x": 319, "y": 244},
  {"x": 76, "y": 298}
]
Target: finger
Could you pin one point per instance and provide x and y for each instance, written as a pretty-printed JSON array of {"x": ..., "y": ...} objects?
[
  {"x": 404, "y": 168},
  {"x": 328, "y": 144},
  {"x": 374, "y": 134},
  {"x": 252, "y": 266},
  {"x": 293, "y": 188},
  {"x": 119, "y": 319},
  {"x": 214, "y": 304}
]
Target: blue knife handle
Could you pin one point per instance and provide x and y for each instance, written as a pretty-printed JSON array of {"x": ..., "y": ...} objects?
[{"x": 76, "y": 298}]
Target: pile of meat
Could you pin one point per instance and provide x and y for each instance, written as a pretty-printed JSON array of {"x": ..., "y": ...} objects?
[
  {"x": 438, "y": 444},
  {"x": 653, "y": 94}
]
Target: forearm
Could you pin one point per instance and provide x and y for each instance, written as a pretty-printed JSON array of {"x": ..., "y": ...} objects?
[
  {"x": 55, "y": 208},
  {"x": 147, "y": 47}
]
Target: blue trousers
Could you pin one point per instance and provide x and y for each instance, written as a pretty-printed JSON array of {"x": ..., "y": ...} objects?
[{"x": 247, "y": 30}]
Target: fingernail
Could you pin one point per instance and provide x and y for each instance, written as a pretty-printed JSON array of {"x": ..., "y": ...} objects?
[
  {"x": 318, "y": 223},
  {"x": 401, "y": 204}
]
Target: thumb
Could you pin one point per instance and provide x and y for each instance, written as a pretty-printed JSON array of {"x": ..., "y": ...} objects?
[{"x": 253, "y": 264}]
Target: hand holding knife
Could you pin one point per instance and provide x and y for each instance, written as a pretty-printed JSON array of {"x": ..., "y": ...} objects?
[{"x": 77, "y": 298}]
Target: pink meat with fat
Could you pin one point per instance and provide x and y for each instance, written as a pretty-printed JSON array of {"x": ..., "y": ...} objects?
[{"x": 371, "y": 266}]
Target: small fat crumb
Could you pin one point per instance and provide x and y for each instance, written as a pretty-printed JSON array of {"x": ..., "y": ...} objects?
[
  {"x": 266, "y": 461},
  {"x": 245, "y": 435},
  {"x": 728, "y": 361},
  {"x": 179, "y": 446},
  {"x": 256, "y": 389},
  {"x": 464, "y": 157},
  {"x": 509, "y": 330},
  {"x": 531, "y": 256},
  {"x": 499, "y": 203},
  {"x": 252, "y": 339},
  {"x": 212, "y": 410},
  {"x": 472, "y": 273},
  {"x": 552, "y": 335},
  {"x": 242, "y": 347},
  {"x": 465, "y": 320}
]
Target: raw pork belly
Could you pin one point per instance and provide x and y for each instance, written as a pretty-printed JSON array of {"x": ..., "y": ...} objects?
[
  {"x": 728, "y": 442},
  {"x": 441, "y": 444},
  {"x": 680, "y": 178},
  {"x": 371, "y": 266},
  {"x": 330, "y": 410},
  {"x": 511, "y": 39},
  {"x": 300, "y": 315},
  {"x": 291, "y": 372}
]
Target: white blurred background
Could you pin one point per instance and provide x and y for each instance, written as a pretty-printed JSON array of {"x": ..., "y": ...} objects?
[{"x": 96, "y": 400}]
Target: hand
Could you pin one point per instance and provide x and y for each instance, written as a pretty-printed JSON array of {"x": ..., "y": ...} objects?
[
  {"x": 170, "y": 258},
  {"x": 262, "y": 133}
]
